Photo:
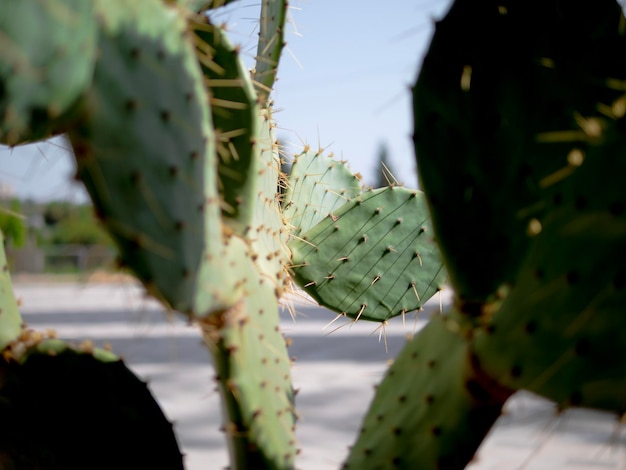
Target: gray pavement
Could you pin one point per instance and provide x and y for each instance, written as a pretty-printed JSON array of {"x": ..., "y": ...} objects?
[{"x": 336, "y": 374}]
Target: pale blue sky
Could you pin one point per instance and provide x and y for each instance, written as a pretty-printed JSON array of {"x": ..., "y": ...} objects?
[{"x": 347, "y": 89}]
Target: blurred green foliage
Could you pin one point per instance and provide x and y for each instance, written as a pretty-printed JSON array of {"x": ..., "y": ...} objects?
[
  {"x": 70, "y": 224},
  {"x": 12, "y": 223}
]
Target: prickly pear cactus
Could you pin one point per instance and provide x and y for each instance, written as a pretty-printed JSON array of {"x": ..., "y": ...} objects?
[
  {"x": 317, "y": 185},
  {"x": 497, "y": 137},
  {"x": 10, "y": 318},
  {"x": 432, "y": 410},
  {"x": 544, "y": 124},
  {"x": 271, "y": 42},
  {"x": 367, "y": 260},
  {"x": 62, "y": 406},
  {"x": 147, "y": 82},
  {"x": 514, "y": 133},
  {"x": 144, "y": 141},
  {"x": 47, "y": 55}
]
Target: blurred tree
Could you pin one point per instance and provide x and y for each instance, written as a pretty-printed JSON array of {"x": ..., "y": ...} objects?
[
  {"x": 56, "y": 211},
  {"x": 384, "y": 172},
  {"x": 73, "y": 224},
  {"x": 12, "y": 223}
]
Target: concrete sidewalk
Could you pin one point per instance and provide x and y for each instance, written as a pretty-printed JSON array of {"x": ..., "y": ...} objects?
[{"x": 336, "y": 375}]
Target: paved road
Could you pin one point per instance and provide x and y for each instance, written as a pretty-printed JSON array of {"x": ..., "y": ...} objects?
[{"x": 336, "y": 375}]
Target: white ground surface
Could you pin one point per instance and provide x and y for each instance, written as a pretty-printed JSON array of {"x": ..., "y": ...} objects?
[{"x": 335, "y": 373}]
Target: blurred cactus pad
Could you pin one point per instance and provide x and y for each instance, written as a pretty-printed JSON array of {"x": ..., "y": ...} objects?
[{"x": 519, "y": 112}]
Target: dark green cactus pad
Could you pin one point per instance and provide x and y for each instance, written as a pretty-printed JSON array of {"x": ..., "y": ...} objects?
[
  {"x": 561, "y": 331},
  {"x": 532, "y": 146},
  {"x": 64, "y": 409},
  {"x": 253, "y": 372},
  {"x": 270, "y": 46},
  {"x": 47, "y": 53},
  {"x": 317, "y": 185},
  {"x": 236, "y": 121},
  {"x": 504, "y": 106},
  {"x": 432, "y": 409},
  {"x": 10, "y": 318},
  {"x": 372, "y": 259},
  {"x": 145, "y": 150}
]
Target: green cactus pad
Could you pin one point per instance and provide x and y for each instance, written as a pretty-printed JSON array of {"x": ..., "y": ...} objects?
[
  {"x": 236, "y": 121},
  {"x": 565, "y": 313},
  {"x": 10, "y": 318},
  {"x": 496, "y": 125},
  {"x": 253, "y": 371},
  {"x": 532, "y": 145},
  {"x": 145, "y": 150},
  {"x": 317, "y": 185},
  {"x": 267, "y": 233},
  {"x": 271, "y": 43},
  {"x": 47, "y": 53},
  {"x": 64, "y": 409},
  {"x": 372, "y": 259},
  {"x": 431, "y": 410}
]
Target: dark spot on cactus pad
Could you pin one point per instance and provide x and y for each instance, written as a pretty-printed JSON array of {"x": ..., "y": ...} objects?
[
  {"x": 135, "y": 52},
  {"x": 576, "y": 398},
  {"x": 580, "y": 203},
  {"x": 524, "y": 171},
  {"x": 130, "y": 105},
  {"x": 402, "y": 398},
  {"x": 582, "y": 347},
  {"x": 616, "y": 209},
  {"x": 490, "y": 329},
  {"x": 396, "y": 431},
  {"x": 516, "y": 371},
  {"x": 367, "y": 452},
  {"x": 471, "y": 308},
  {"x": 530, "y": 327},
  {"x": 379, "y": 418},
  {"x": 396, "y": 462},
  {"x": 477, "y": 391},
  {"x": 429, "y": 399},
  {"x": 431, "y": 364},
  {"x": 539, "y": 273},
  {"x": 436, "y": 431},
  {"x": 38, "y": 115},
  {"x": 135, "y": 243},
  {"x": 572, "y": 278},
  {"x": 165, "y": 116}
]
